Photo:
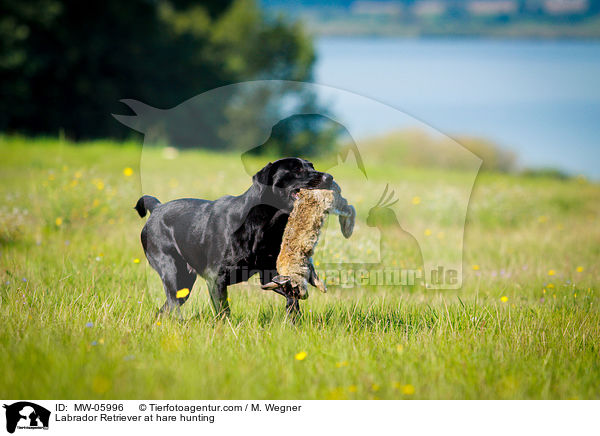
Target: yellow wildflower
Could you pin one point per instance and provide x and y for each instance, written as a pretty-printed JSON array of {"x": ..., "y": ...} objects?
[
  {"x": 100, "y": 384},
  {"x": 128, "y": 172},
  {"x": 136, "y": 260},
  {"x": 579, "y": 269},
  {"x": 408, "y": 389},
  {"x": 551, "y": 272},
  {"x": 336, "y": 394},
  {"x": 182, "y": 293},
  {"x": 416, "y": 200},
  {"x": 301, "y": 355},
  {"x": 504, "y": 298},
  {"x": 475, "y": 267},
  {"x": 58, "y": 221}
]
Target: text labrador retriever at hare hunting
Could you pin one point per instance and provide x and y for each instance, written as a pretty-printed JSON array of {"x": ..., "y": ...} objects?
[{"x": 229, "y": 239}]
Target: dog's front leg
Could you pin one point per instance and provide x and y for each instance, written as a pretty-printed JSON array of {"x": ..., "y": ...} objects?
[
  {"x": 292, "y": 308},
  {"x": 217, "y": 290},
  {"x": 170, "y": 308}
]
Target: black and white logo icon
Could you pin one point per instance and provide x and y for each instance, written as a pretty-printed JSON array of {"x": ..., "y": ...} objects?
[{"x": 26, "y": 415}]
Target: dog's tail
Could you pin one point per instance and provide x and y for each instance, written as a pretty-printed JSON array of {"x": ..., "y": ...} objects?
[{"x": 146, "y": 204}]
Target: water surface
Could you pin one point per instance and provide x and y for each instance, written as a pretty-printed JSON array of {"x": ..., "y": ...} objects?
[{"x": 539, "y": 98}]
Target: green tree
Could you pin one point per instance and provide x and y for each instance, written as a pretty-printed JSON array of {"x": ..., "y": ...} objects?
[{"x": 65, "y": 64}]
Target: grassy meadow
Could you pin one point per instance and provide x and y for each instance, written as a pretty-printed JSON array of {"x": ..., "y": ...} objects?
[{"x": 78, "y": 301}]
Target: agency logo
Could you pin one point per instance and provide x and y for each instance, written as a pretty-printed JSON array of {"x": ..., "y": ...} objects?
[
  {"x": 26, "y": 415},
  {"x": 398, "y": 210}
]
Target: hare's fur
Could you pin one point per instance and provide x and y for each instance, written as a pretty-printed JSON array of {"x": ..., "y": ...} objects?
[{"x": 301, "y": 235}]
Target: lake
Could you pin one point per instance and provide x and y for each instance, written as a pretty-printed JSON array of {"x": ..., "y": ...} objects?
[{"x": 538, "y": 98}]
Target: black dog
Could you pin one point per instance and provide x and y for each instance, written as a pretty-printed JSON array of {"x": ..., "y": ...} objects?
[{"x": 228, "y": 240}]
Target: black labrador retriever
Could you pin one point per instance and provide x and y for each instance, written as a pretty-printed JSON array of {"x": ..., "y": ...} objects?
[{"x": 228, "y": 240}]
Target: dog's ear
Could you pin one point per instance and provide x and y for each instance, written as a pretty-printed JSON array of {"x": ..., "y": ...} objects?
[
  {"x": 277, "y": 282},
  {"x": 264, "y": 176}
]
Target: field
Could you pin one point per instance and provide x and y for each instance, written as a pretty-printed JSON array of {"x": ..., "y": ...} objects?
[{"x": 78, "y": 301}]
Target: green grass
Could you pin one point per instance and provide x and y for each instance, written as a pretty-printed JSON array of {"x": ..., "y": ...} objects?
[{"x": 68, "y": 229}]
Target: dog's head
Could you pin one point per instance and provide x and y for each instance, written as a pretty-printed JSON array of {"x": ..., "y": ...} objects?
[{"x": 281, "y": 180}]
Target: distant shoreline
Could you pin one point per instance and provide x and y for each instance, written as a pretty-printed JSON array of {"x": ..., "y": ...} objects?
[
  {"x": 518, "y": 28},
  {"x": 455, "y": 38},
  {"x": 504, "y": 33}
]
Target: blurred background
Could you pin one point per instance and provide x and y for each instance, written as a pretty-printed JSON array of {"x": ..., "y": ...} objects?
[{"x": 513, "y": 80}]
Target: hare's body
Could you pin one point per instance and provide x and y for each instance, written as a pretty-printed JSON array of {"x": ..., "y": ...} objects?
[{"x": 301, "y": 235}]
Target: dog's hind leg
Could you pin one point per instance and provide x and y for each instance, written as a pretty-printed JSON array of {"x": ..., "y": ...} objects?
[{"x": 175, "y": 277}]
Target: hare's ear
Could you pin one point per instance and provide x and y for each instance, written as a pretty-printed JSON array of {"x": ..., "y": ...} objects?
[
  {"x": 347, "y": 221},
  {"x": 277, "y": 282},
  {"x": 270, "y": 286}
]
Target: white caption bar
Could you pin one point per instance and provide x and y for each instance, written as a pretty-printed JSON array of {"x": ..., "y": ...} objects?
[{"x": 297, "y": 417}]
